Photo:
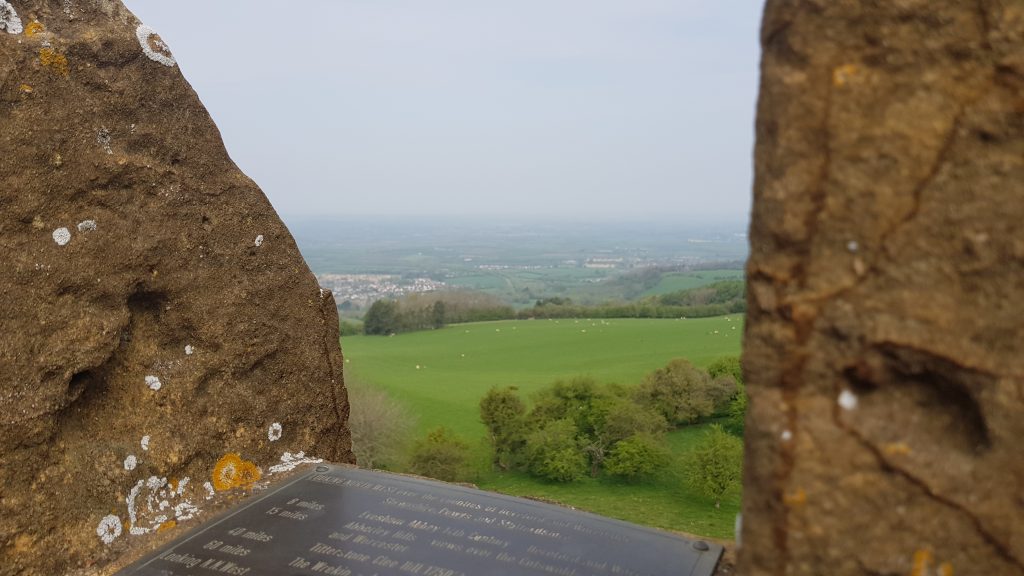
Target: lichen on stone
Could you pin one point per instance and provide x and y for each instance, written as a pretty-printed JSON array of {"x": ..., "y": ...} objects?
[
  {"x": 9, "y": 20},
  {"x": 153, "y": 46},
  {"x": 231, "y": 471},
  {"x": 54, "y": 61}
]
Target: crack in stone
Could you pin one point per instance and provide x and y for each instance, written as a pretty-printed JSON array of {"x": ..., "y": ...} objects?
[
  {"x": 1000, "y": 547},
  {"x": 917, "y": 193},
  {"x": 336, "y": 386},
  {"x": 792, "y": 381},
  {"x": 933, "y": 173},
  {"x": 986, "y": 25}
]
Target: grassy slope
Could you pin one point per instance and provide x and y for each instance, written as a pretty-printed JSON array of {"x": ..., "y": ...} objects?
[
  {"x": 447, "y": 387},
  {"x": 458, "y": 364}
]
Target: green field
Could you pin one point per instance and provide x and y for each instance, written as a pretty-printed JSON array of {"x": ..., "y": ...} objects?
[
  {"x": 677, "y": 281},
  {"x": 441, "y": 375}
]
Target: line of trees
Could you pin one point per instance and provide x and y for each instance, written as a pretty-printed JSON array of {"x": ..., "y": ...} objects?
[
  {"x": 437, "y": 309},
  {"x": 431, "y": 310}
]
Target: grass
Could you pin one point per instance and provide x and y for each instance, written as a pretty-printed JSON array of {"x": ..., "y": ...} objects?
[
  {"x": 662, "y": 502},
  {"x": 441, "y": 375},
  {"x": 688, "y": 280}
]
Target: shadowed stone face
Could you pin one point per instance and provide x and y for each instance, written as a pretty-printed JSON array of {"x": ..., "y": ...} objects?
[
  {"x": 146, "y": 337},
  {"x": 883, "y": 351}
]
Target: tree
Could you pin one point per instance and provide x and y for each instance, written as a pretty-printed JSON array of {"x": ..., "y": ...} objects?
[
  {"x": 380, "y": 426},
  {"x": 717, "y": 464},
  {"x": 683, "y": 393},
  {"x": 382, "y": 318},
  {"x": 737, "y": 406},
  {"x": 553, "y": 452},
  {"x": 438, "y": 314},
  {"x": 636, "y": 457},
  {"x": 727, "y": 366},
  {"x": 504, "y": 415},
  {"x": 738, "y": 413},
  {"x": 571, "y": 399},
  {"x": 440, "y": 455},
  {"x": 615, "y": 417}
]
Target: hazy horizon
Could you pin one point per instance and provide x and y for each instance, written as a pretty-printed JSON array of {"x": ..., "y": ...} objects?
[{"x": 585, "y": 110}]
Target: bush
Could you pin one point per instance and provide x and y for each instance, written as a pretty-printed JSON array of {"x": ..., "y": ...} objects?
[
  {"x": 613, "y": 417},
  {"x": 380, "y": 426},
  {"x": 737, "y": 413},
  {"x": 347, "y": 328},
  {"x": 736, "y": 410},
  {"x": 553, "y": 452},
  {"x": 503, "y": 413},
  {"x": 573, "y": 399},
  {"x": 682, "y": 393},
  {"x": 440, "y": 455},
  {"x": 727, "y": 366},
  {"x": 717, "y": 465},
  {"x": 636, "y": 457}
]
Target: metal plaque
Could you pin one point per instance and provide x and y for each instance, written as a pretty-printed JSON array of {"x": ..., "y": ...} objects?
[{"x": 341, "y": 521}]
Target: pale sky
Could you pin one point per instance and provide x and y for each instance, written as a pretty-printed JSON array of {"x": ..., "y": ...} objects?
[{"x": 581, "y": 108}]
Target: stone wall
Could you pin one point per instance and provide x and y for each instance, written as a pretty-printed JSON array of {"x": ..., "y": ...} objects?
[
  {"x": 161, "y": 338},
  {"x": 884, "y": 353}
]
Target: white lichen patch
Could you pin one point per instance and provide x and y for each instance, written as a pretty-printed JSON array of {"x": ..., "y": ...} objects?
[
  {"x": 144, "y": 442},
  {"x": 161, "y": 500},
  {"x": 852, "y": 246},
  {"x": 847, "y": 400},
  {"x": 153, "y": 46},
  {"x": 291, "y": 461},
  {"x": 786, "y": 436},
  {"x": 9, "y": 20},
  {"x": 189, "y": 349},
  {"x": 103, "y": 138},
  {"x": 185, "y": 511},
  {"x": 274, "y": 432},
  {"x": 135, "y": 529},
  {"x": 87, "y": 226},
  {"x": 130, "y": 462},
  {"x": 259, "y": 241},
  {"x": 62, "y": 236},
  {"x": 109, "y": 529},
  {"x": 153, "y": 382},
  {"x": 210, "y": 492}
]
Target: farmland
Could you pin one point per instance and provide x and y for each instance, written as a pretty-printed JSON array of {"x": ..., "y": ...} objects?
[{"x": 440, "y": 376}]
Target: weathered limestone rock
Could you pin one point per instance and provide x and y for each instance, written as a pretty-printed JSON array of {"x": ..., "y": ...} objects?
[
  {"x": 155, "y": 314},
  {"x": 884, "y": 350}
]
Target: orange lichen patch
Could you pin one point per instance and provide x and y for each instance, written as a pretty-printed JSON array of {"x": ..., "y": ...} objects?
[
  {"x": 945, "y": 569},
  {"x": 166, "y": 526},
  {"x": 55, "y": 61},
  {"x": 24, "y": 543},
  {"x": 922, "y": 560},
  {"x": 233, "y": 472},
  {"x": 896, "y": 449},
  {"x": 843, "y": 74},
  {"x": 797, "y": 498},
  {"x": 34, "y": 28},
  {"x": 25, "y": 88}
]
